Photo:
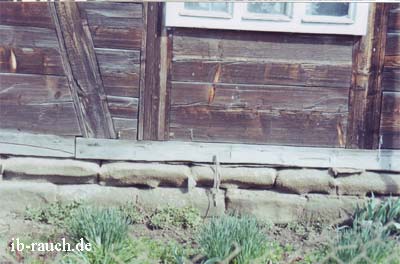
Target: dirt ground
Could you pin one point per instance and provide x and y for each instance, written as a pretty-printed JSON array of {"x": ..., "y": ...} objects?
[{"x": 297, "y": 239}]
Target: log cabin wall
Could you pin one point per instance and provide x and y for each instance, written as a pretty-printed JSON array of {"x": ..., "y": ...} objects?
[
  {"x": 34, "y": 91},
  {"x": 81, "y": 69},
  {"x": 118, "y": 30},
  {"x": 390, "y": 114},
  {"x": 270, "y": 88},
  {"x": 71, "y": 69}
]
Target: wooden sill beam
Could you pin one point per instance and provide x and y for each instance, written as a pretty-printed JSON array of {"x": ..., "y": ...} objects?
[
  {"x": 285, "y": 156},
  {"x": 25, "y": 144}
]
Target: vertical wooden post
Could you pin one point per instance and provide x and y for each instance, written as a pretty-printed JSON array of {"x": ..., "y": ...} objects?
[
  {"x": 153, "y": 97},
  {"x": 81, "y": 68},
  {"x": 365, "y": 92}
]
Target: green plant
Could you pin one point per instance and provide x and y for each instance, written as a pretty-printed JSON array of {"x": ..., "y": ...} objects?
[
  {"x": 118, "y": 253},
  {"x": 53, "y": 213},
  {"x": 385, "y": 213},
  {"x": 156, "y": 251},
  {"x": 371, "y": 244},
  {"x": 187, "y": 217},
  {"x": 105, "y": 226},
  {"x": 132, "y": 213},
  {"x": 218, "y": 237}
]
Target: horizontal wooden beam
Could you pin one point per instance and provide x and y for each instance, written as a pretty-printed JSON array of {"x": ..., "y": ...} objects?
[
  {"x": 169, "y": 151},
  {"x": 15, "y": 143}
]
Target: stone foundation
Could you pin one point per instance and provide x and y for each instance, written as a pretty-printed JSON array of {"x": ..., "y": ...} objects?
[{"x": 277, "y": 195}]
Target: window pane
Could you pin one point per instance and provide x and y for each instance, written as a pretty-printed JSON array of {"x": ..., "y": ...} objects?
[
  {"x": 220, "y": 7},
  {"x": 267, "y": 8},
  {"x": 197, "y": 6},
  {"x": 217, "y": 7},
  {"x": 328, "y": 9}
]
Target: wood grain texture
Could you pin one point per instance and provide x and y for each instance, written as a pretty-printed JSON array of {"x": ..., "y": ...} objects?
[
  {"x": 82, "y": 70},
  {"x": 120, "y": 71},
  {"x": 123, "y": 107},
  {"x": 390, "y": 116},
  {"x": 25, "y": 14},
  {"x": 26, "y": 144},
  {"x": 217, "y": 44},
  {"x": 165, "y": 84},
  {"x": 267, "y": 88},
  {"x": 392, "y": 43},
  {"x": 394, "y": 18},
  {"x": 126, "y": 128},
  {"x": 392, "y": 61},
  {"x": 264, "y": 72},
  {"x": 45, "y": 61},
  {"x": 113, "y": 9},
  {"x": 151, "y": 91},
  {"x": 366, "y": 89},
  {"x": 114, "y": 32},
  {"x": 197, "y": 123},
  {"x": 22, "y": 89},
  {"x": 390, "y": 123},
  {"x": 27, "y": 37},
  {"x": 391, "y": 79},
  {"x": 260, "y": 97},
  {"x": 386, "y": 160},
  {"x": 43, "y": 118},
  {"x": 142, "y": 86}
]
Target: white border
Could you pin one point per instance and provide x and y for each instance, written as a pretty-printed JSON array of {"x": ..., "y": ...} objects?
[{"x": 295, "y": 25}]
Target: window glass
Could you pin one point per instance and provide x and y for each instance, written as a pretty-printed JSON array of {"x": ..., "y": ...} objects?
[
  {"x": 216, "y": 7},
  {"x": 328, "y": 9},
  {"x": 267, "y": 8}
]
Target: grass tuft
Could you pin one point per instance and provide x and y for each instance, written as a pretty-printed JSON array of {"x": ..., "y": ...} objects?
[{"x": 218, "y": 238}]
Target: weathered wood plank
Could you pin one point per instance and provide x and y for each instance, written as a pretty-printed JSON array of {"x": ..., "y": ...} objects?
[
  {"x": 126, "y": 128},
  {"x": 218, "y": 44},
  {"x": 27, "y": 37},
  {"x": 113, "y": 9},
  {"x": 96, "y": 21},
  {"x": 120, "y": 71},
  {"x": 25, "y": 14},
  {"x": 113, "y": 56},
  {"x": 45, "y": 118},
  {"x": 123, "y": 107},
  {"x": 366, "y": 89},
  {"x": 391, "y": 79},
  {"x": 299, "y": 128},
  {"x": 117, "y": 38},
  {"x": 394, "y": 19},
  {"x": 82, "y": 70},
  {"x": 262, "y": 97},
  {"x": 165, "y": 84},
  {"x": 237, "y": 154},
  {"x": 390, "y": 122},
  {"x": 264, "y": 72},
  {"x": 21, "y": 89},
  {"x": 17, "y": 143},
  {"x": 392, "y": 43},
  {"x": 151, "y": 91},
  {"x": 392, "y": 61},
  {"x": 143, "y": 58},
  {"x": 31, "y": 60}
]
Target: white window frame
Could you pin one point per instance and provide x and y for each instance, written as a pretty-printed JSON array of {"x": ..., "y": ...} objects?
[{"x": 294, "y": 21}]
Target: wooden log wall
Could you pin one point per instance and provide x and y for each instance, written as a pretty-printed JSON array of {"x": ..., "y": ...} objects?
[
  {"x": 34, "y": 91},
  {"x": 270, "y": 88},
  {"x": 118, "y": 30},
  {"x": 110, "y": 70},
  {"x": 390, "y": 114},
  {"x": 71, "y": 68}
]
